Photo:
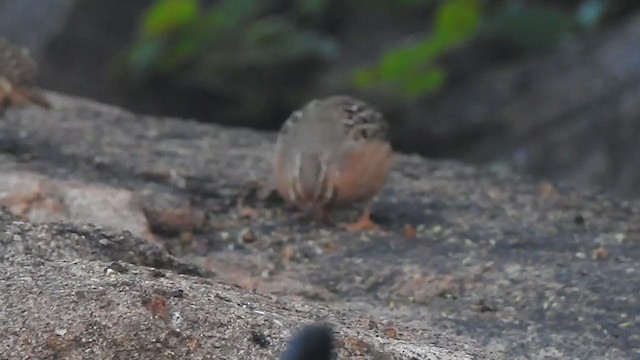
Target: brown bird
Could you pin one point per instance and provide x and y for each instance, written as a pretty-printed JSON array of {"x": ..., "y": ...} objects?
[
  {"x": 332, "y": 153},
  {"x": 18, "y": 74}
]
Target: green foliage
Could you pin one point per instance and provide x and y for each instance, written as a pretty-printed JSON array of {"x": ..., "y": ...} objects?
[
  {"x": 253, "y": 37},
  {"x": 231, "y": 34},
  {"x": 167, "y": 15},
  {"x": 523, "y": 26},
  {"x": 413, "y": 70}
]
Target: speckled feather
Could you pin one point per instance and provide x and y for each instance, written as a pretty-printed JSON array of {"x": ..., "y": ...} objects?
[
  {"x": 18, "y": 75},
  {"x": 16, "y": 66},
  {"x": 358, "y": 119}
]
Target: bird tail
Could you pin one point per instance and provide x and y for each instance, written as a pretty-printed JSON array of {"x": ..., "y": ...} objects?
[{"x": 312, "y": 177}]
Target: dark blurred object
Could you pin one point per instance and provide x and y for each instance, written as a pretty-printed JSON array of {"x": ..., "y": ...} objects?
[
  {"x": 313, "y": 342},
  {"x": 18, "y": 74}
]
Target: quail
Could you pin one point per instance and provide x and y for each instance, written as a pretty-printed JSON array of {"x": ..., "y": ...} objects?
[
  {"x": 332, "y": 153},
  {"x": 18, "y": 75}
]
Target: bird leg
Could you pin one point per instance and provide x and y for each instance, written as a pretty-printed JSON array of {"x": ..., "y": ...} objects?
[{"x": 364, "y": 223}]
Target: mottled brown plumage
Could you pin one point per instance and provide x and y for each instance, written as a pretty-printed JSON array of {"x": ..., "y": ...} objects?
[
  {"x": 18, "y": 75},
  {"x": 331, "y": 153}
]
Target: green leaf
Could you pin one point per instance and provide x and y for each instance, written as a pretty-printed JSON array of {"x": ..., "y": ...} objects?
[
  {"x": 455, "y": 20},
  {"x": 363, "y": 78},
  {"x": 411, "y": 69},
  {"x": 398, "y": 62},
  {"x": 166, "y": 15},
  {"x": 395, "y": 63},
  {"x": 424, "y": 83}
]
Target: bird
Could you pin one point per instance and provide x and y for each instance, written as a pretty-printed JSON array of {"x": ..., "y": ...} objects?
[
  {"x": 18, "y": 75},
  {"x": 333, "y": 152},
  {"x": 313, "y": 342}
]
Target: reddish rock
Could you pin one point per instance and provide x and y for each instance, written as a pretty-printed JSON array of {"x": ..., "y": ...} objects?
[{"x": 40, "y": 199}]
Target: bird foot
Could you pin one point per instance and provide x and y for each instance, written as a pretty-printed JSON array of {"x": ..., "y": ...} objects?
[{"x": 364, "y": 223}]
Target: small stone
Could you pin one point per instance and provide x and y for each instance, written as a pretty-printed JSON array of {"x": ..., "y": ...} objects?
[
  {"x": 259, "y": 339},
  {"x": 546, "y": 189},
  {"x": 186, "y": 237},
  {"x": 409, "y": 232},
  {"x": 482, "y": 306},
  {"x": 172, "y": 339},
  {"x": 176, "y": 320},
  {"x": 446, "y": 294},
  {"x": 600, "y": 253},
  {"x": 173, "y": 219},
  {"x": 288, "y": 253},
  {"x": 117, "y": 267},
  {"x": 620, "y": 237},
  {"x": 248, "y": 213},
  {"x": 356, "y": 344},
  {"x": 391, "y": 332},
  {"x": 330, "y": 247},
  {"x": 247, "y": 236},
  {"x": 157, "y": 274},
  {"x": 157, "y": 306},
  {"x": 178, "y": 293}
]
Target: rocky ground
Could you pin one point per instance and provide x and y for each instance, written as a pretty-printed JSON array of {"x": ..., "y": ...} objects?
[{"x": 472, "y": 264}]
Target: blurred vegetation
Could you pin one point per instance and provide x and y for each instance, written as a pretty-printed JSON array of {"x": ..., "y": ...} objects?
[
  {"x": 216, "y": 43},
  {"x": 523, "y": 27},
  {"x": 413, "y": 68},
  {"x": 234, "y": 33}
]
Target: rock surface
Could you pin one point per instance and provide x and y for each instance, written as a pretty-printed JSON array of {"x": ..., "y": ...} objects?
[{"x": 472, "y": 265}]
